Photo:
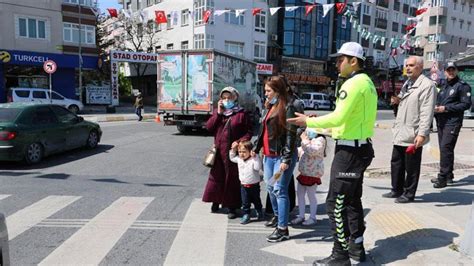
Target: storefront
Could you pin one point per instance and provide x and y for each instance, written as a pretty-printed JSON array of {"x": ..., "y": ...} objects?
[
  {"x": 25, "y": 69},
  {"x": 307, "y": 75}
]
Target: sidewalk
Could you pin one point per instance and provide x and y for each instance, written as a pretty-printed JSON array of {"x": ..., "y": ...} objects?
[{"x": 122, "y": 113}]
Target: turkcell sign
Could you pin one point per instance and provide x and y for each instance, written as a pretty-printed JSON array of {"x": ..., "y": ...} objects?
[
  {"x": 133, "y": 57},
  {"x": 265, "y": 69}
]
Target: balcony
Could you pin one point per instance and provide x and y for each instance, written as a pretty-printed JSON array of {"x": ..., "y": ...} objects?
[
  {"x": 366, "y": 20},
  {"x": 381, "y": 23},
  {"x": 382, "y": 3}
]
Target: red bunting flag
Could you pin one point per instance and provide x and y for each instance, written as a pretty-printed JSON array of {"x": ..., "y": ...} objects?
[
  {"x": 410, "y": 27},
  {"x": 308, "y": 9},
  {"x": 160, "y": 17},
  {"x": 256, "y": 11},
  {"x": 207, "y": 15},
  {"x": 394, "y": 52},
  {"x": 421, "y": 11},
  {"x": 340, "y": 7},
  {"x": 113, "y": 12}
]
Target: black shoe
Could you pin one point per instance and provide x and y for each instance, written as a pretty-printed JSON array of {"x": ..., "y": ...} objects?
[
  {"x": 434, "y": 180},
  {"x": 278, "y": 235},
  {"x": 440, "y": 184},
  {"x": 215, "y": 207},
  {"x": 232, "y": 214},
  {"x": 450, "y": 180},
  {"x": 273, "y": 222},
  {"x": 403, "y": 199},
  {"x": 333, "y": 260},
  {"x": 357, "y": 251},
  {"x": 391, "y": 194}
]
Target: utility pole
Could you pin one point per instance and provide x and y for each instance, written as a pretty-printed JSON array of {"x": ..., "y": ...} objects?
[{"x": 80, "y": 52}]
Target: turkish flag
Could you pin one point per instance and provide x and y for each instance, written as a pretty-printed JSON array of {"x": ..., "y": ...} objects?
[
  {"x": 207, "y": 15},
  {"x": 160, "y": 17},
  {"x": 340, "y": 7},
  {"x": 421, "y": 11},
  {"x": 255, "y": 11},
  {"x": 411, "y": 26},
  {"x": 113, "y": 12},
  {"x": 308, "y": 9}
]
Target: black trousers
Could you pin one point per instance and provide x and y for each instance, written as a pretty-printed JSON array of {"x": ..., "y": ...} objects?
[
  {"x": 343, "y": 203},
  {"x": 447, "y": 138},
  {"x": 251, "y": 195},
  {"x": 405, "y": 170}
]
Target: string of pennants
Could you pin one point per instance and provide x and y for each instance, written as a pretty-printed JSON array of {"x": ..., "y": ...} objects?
[{"x": 397, "y": 45}]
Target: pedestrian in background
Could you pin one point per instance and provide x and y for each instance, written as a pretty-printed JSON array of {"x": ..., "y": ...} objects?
[
  {"x": 453, "y": 99},
  {"x": 352, "y": 124},
  {"x": 278, "y": 140},
  {"x": 411, "y": 131},
  {"x": 229, "y": 124},
  {"x": 311, "y": 167},
  {"x": 249, "y": 166},
  {"x": 139, "y": 106}
]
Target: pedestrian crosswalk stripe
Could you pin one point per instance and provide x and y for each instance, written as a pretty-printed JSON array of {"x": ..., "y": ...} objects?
[
  {"x": 201, "y": 239},
  {"x": 4, "y": 196},
  {"x": 90, "y": 244},
  {"x": 28, "y": 217}
]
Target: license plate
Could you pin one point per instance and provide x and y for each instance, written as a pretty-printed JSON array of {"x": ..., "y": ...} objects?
[{"x": 188, "y": 123}]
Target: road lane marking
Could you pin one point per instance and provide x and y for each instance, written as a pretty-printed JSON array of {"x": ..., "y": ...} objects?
[
  {"x": 201, "y": 239},
  {"x": 28, "y": 217},
  {"x": 4, "y": 196},
  {"x": 90, "y": 244}
]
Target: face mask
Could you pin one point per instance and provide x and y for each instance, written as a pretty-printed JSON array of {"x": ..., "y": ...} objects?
[
  {"x": 311, "y": 134},
  {"x": 228, "y": 104},
  {"x": 274, "y": 100}
]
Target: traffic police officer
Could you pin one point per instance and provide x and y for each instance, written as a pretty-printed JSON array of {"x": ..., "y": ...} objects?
[
  {"x": 352, "y": 124},
  {"x": 453, "y": 99}
]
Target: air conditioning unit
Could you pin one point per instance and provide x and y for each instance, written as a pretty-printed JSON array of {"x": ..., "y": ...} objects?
[{"x": 274, "y": 37}]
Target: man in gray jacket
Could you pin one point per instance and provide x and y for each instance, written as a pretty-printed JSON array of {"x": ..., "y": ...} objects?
[{"x": 411, "y": 130}]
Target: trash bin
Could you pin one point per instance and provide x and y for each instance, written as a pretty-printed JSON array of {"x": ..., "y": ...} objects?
[{"x": 4, "y": 250}]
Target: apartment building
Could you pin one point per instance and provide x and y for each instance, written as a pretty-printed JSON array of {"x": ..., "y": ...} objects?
[
  {"x": 445, "y": 30},
  {"x": 35, "y": 31}
]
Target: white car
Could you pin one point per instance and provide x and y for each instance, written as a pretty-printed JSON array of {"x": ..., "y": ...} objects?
[
  {"x": 38, "y": 95},
  {"x": 316, "y": 100}
]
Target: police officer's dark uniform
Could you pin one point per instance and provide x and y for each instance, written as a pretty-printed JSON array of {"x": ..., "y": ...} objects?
[
  {"x": 352, "y": 124},
  {"x": 455, "y": 96}
]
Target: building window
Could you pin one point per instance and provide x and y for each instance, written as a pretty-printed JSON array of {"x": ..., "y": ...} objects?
[
  {"x": 199, "y": 7},
  {"x": 366, "y": 9},
  {"x": 430, "y": 56},
  {"x": 470, "y": 9},
  {"x": 455, "y": 4},
  {"x": 235, "y": 48},
  {"x": 185, "y": 17},
  {"x": 230, "y": 18},
  {"x": 71, "y": 33},
  {"x": 318, "y": 42},
  {"x": 320, "y": 15},
  {"x": 441, "y": 20},
  {"x": 199, "y": 41},
  {"x": 31, "y": 28},
  {"x": 90, "y": 3},
  {"x": 157, "y": 48},
  {"x": 461, "y": 23},
  {"x": 184, "y": 45},
  {"x": 168, "y": 22},
  {"x": 462, "y": 6},
  {"x": 468, "y": 26},
  {"x": 459, "y": 41},
  {"x": 169, "y": 46},
  {"x": 288, "y": 37},
  {"x": 454, "y": 21},
  {"x": 302, "y": 39},
  {"x": 209, "y": 41},
  {"x": 396, "y": 17},
  {"x": 260, "y": 50},
  {"x": 343, "y": 22},
  {"x": 379, "y": 13},
  {"x": 260, "y": 21},
  {"x": 289, "y": 14}
]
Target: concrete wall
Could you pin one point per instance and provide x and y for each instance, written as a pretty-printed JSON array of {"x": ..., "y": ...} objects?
[{"x": 47, "y": 10}]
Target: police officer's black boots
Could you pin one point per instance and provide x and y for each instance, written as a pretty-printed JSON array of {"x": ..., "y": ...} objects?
[
  {"x": 339, "y": 257},
  {"x": 357, "y": 251}
]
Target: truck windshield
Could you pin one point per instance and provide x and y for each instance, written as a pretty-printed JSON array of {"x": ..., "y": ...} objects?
[{"x": 8, "y": 114}]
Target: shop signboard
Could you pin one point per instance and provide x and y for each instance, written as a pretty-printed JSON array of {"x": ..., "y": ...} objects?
[
  {"x": 265, "y": 69},
  {"x": 98, "y": 95}
]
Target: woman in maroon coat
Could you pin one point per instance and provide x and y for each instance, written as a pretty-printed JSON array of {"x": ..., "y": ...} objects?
[{"x": 229, "y": 123}]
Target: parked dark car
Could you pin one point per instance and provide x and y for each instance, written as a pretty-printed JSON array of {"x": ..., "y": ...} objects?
[{"x": 30, "y": 132}]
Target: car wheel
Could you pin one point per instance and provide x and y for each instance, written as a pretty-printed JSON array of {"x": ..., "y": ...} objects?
[
  {"x": 182, "y": 129},
  {"x": 34, "y": 153},
  {"x": 92, "y": 140},
  {"x": 315, "y": 107},
  {"x": 74, "y": 108}
]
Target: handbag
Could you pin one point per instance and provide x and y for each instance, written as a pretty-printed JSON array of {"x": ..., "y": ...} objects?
[{"x": 210, "y": 157}]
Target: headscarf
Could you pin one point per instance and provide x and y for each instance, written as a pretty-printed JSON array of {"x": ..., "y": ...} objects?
[{"x": 235, "y": 94}]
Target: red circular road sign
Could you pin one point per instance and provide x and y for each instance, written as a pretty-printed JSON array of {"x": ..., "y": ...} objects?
[
  {"x": 434, "y": 76},
  {"x": 50, "y": 66}
]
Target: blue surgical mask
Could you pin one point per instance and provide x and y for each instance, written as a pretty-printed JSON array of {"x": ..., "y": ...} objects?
[
  {"x": 228, "y": 104},
  {"x": 274, "y": 100},
  {"x": 311, "y": 134}
]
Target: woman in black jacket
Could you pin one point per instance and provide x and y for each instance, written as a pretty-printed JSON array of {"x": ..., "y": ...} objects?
[{"x": 278, "y": 140}]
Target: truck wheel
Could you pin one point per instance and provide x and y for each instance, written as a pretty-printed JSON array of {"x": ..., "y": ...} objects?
[{"x": 182, "y": 129}]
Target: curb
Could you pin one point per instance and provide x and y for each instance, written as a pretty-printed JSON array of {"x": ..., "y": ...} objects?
[
  {"x": 117, "y": 118},
  {"x": 383, "y": 126}
]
